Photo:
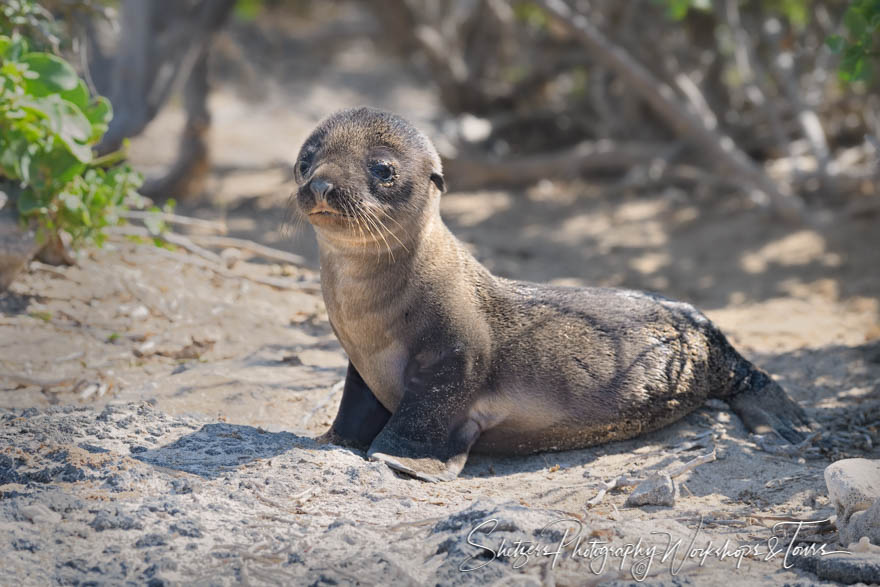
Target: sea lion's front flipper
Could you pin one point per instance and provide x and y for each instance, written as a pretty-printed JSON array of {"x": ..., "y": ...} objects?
[
  {"x": 764, "y": 408},
  {"x": 422, "y": 440},
  {"x": 360, "y": 417}
]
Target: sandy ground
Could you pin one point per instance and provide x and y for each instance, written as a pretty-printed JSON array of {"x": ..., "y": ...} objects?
[{"x": 219, "y": 354}]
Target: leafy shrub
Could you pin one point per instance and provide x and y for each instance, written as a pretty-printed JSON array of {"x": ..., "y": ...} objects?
[
  {"x": 49, "y": 123},
  {"x": 862, "y": 21}
]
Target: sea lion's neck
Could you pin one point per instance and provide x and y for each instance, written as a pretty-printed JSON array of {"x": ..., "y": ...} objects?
[
  {"x": 389, "y": 252},
  {"x": 376, "y": 304},
  {"x": 380, "y": 277}
]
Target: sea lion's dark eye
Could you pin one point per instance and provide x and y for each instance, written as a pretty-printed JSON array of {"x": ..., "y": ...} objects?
[
  {"x": 304, "y": 165},
  {"x": 384, "y": 172}
]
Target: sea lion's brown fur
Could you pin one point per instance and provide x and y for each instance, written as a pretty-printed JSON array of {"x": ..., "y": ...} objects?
[{"x": 444, "y": 356}]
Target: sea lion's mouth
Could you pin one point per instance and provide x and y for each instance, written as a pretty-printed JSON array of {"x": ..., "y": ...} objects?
[
  {"x": 323, "y": 215},
  {"x": 324, "y": 209}
]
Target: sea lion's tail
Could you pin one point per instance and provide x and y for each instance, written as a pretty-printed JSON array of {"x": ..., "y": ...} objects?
[{"x": 756, "y": 398}]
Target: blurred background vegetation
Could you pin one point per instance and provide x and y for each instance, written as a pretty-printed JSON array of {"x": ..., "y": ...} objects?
[{"x": 774, "y": 101}]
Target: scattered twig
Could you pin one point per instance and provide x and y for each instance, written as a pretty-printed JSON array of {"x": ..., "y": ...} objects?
[
  {"x": 303, "y": 496},
  {"x": 787, "y": 450},
  {"x": 249, "y": 246},
  {"x": 70, "y": 357},
  {"x": 154, "y": 308},
  {"x": 624, "y": 481},
  {"x": 36, "y": 381},
  {"x": 177, "y": 219},
  {"x": 701, "y": 440},
  {"x": 619, "y": 482},
  {"x": 40, "y": 266},
  {"x": 276, "y": 282},
  {"x": 91, "y": 389},
  {"x": 169, "y": 237},
  {"x": 715, "y": 522},
  {"x": 692, "y": 464}
]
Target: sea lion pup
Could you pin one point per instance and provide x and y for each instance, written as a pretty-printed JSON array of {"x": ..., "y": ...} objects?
[{"x": 444, "y": 357}]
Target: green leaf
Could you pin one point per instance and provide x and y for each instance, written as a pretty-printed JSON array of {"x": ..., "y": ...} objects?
[
  {"x": 48, "y": 74},
  {"x": 28, "y": 203},
  {"x": 45, "y": 316},
  {"x": 13, "y": 153},
  {"x": 76, "y": 209},
  {"x": 15, "y": 49},
  {"x": 66, "y": 121},
  {"x": 5, "y": 43},
  {"x": 835, "y": 43},
  {"x": 53, "y": 168},
  {"x": 247, "y": 10},
  {"x": 78, "y": 96},
  {"x": 855, "y": 21},
  {"x": 99, "y": 113}
]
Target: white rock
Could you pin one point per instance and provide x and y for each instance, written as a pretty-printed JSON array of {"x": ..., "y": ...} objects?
[
  {"x": 864, "y": 524},
  {"x": 853, "y": 485},
  {"x": 655, "y": 490},
  {"x": 854, "y": 489}
]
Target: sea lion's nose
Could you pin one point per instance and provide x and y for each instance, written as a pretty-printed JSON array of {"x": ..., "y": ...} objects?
[{"x": 320, "y": 188}]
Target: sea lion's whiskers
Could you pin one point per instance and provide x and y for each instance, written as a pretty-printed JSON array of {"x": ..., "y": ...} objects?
[
  {"x": 369, "y": 215},
  {"x": 361, "y": 213},
  {"x": 394, "y": 220},
  {"x": 294, "y": 218},
  {"x": 382, "y": 224},
  {"x": 388, "y": 216},
  {"x": 357, "y": 220},
  {"x": 353, "y": 209}
]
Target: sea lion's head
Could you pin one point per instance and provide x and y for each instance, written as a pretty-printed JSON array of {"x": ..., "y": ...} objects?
[{"x": 367, "y": 176}]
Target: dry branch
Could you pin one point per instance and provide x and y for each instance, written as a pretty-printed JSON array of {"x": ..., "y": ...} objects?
[
  {"x": 661, "y": 98},
  {"x": 475, "y": 171}
]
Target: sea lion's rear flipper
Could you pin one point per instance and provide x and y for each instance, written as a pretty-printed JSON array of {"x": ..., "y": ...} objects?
[
  {"x": 765, "y": 408},
  {"x": 421, "y": 440},
  {"x": 360, "y": 417}
]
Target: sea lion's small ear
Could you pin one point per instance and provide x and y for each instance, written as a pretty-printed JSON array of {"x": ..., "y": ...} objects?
[{"x": 439, "y": 181}]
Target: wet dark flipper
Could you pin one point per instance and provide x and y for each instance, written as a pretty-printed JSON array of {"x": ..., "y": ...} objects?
[
  {"x": 765, "y": 408},
  {"x": 424, "y": 440},
  {"x": 440, "y": 460},
  {"x": 360, "y": 417}
]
